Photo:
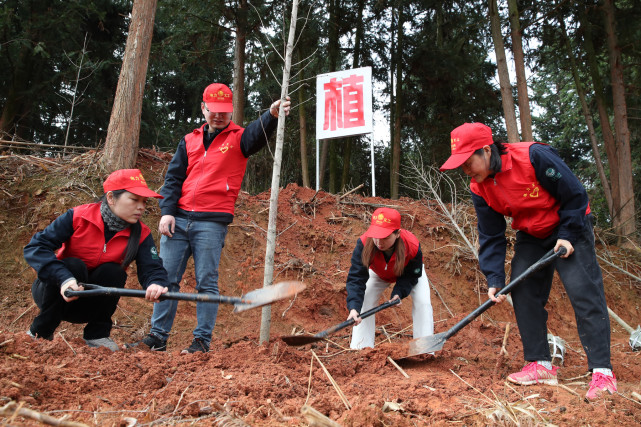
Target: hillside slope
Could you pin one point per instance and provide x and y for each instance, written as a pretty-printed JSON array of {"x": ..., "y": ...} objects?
[{"x": 269, "y": 384}]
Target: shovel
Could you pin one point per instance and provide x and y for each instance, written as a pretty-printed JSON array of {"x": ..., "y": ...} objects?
[
  {"x": 255, "y": 298},
  {"x": 296, "y": 340},
  {"x": 433, "y": 343},
  {"x": 635, "y": 334}
]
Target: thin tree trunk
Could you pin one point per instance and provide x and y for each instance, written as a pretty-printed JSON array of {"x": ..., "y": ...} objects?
[
  {"x": 75, "y": 93},
  {"x": 265, "y": 323},
  {"x": 349, "y": 142},
  {"x": 504, "y": 76},
  {"x": 302, "y": 118},
  {"x": 588, "y": 117},
  {"x": 604, "y": 119},
  {"x": 238, "y": 115},
  {"x": 327, "y": 147},
  {"x": 322, "y": 166},
  {"x": 392, "y": 92},
  {"x": 16, "y": 104},
  {"x": 519, "y": 65},
  {"x": 395, "y": 160},
  {"x": 121, "y": 146},
  {"x": 622, "y": 133}
]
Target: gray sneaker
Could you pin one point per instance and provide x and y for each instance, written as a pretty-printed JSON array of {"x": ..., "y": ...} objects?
[{"x": 103, "y": 342}]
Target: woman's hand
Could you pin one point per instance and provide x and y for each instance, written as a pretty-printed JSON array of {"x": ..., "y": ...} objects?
[
  {"x": 353, "y": 314},
  {"x": 396, "y": 298},
  {"x": 491, "y": 294},
  {"x": 567, "y": 245},
  {"x": 73, "y": 285},
  {"x": 154, "y": 292}
]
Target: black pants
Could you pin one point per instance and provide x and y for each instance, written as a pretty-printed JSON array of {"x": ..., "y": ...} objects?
[
  {"x": 96, "y": 312},
  {"x": 583, "y": 282}
]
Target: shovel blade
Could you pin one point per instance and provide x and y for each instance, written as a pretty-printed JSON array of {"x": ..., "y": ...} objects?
[
  {"x": 427, "y": 344},
  {"x": 269, "y": 294},
  {"x": 298, "y": 340}
]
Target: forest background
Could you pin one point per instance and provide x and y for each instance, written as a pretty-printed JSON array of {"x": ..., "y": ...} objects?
[{"x": 576, "y": 82}]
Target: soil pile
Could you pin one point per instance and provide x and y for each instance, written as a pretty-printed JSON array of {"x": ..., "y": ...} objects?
[{"x": 241, "y": 382}]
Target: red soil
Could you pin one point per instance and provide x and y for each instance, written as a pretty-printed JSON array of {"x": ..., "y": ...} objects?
[{"x": 269, "y": 384}]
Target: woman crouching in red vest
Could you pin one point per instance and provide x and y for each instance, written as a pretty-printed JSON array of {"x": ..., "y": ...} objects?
[
  {"x": 387, "y": 254},
  {"x": 95, "y": 243}
]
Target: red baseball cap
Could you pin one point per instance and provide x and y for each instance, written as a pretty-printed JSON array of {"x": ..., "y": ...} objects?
[
  {"x": 130, "y": 180},
  {"x": 384, "y": 222},
  {"x": 466, "y": 139},
  {"x": 218, "y": 98}
]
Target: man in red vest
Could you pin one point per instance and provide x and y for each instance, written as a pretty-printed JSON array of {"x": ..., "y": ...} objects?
[{"x": 200, "y": 190}]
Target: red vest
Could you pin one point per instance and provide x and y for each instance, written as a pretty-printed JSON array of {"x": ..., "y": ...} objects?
[
  {"x": 88, "y": 239},
  {"x": 214, "y": 176},
  {"x": 385, "y": 270},
  {"x": 515, "y": 192}
]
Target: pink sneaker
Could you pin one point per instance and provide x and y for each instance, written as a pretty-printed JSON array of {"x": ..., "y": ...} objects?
[
  {"x": 533, "y": 373},
  {"x": 600, "y": 384}
]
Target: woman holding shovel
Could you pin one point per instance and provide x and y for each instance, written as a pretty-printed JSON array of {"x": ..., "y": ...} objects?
[
  {"x": 549, "y": 207},
  {"x": 387, "y": 254},
  {"x": 95, "y": 244}
]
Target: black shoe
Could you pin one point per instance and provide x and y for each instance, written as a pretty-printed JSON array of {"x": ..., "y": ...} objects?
[
  {"x": 197, "y": 345},
  {"x": 152, "y": 341}
]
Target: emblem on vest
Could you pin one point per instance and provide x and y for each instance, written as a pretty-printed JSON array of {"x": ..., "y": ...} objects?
[
  {"x": 154, "y": 253},
  {"x": 223, "y": 148},
  {"x": 532, "y": 191}
]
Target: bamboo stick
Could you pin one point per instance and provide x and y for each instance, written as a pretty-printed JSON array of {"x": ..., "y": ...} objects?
[
  {"x": 397, "y": 367},
  {"x": 331, "y": 379}
]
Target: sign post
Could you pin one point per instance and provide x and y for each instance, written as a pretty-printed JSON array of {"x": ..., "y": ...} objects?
[{"x": 343, "y": 108}]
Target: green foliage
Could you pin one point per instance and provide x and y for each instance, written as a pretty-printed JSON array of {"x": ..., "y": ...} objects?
[{"x": 447, "y": 76}]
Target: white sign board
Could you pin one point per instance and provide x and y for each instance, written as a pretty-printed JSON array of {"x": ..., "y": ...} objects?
[{"x": 344, "y": 103}]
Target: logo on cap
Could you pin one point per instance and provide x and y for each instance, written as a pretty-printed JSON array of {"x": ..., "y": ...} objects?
[
  {"x": 138, "y": 178},
  {"x": 381, "y": 219},
  {"x": 220, "y": 95}
]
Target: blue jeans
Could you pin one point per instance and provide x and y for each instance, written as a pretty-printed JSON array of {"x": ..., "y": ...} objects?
[{"x": 204, "y": 240}]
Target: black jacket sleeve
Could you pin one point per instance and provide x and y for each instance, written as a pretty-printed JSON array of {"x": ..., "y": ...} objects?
[
  {"x": 174, "y": 178},
  {"x": 356, "y": 279},
  {"x": 40, "y": 251},
  {"x": 257, "y": 133},
  {"x": 557, "y": 178},
  {"x": 412, "y": 272},
  {"x": 149, "y": 265},
  {"x": 492, "y": 241}
]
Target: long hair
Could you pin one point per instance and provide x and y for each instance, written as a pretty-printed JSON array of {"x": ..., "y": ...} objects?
[
  {"x": 370, "y": 250},
  {"x": 131, "y": 250}
]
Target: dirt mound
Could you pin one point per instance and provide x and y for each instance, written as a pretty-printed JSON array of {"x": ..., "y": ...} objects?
[{"x": 241, "y": 381}]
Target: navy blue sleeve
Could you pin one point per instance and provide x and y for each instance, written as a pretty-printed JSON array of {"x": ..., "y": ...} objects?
[
  {"x": 40, "y": 252},
  {"x": 149, "y": 265},
  {"x": 412, "y": 272},
  {"x": 257, "y": 133},
  {"x": 557, "y": 178},
  {"x": 356, "y": 279},
  {"x": 174, "y": 178},
  {"x": 492, "y": 242}
]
